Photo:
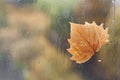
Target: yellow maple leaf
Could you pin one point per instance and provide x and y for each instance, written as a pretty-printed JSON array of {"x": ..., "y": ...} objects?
[{"x": 86, "y": 40}]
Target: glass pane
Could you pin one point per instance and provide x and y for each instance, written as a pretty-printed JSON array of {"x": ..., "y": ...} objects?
[{"x": 34, "y": 40}]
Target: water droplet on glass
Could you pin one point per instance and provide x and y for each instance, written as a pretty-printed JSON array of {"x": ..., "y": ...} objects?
[
  {"x": 113, "y": 1},
  {"x": 99, "y": 60}
]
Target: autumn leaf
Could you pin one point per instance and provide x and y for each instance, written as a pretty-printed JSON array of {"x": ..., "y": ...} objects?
[{"x": 86, "y": 40}]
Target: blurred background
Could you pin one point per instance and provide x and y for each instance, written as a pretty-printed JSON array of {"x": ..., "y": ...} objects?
[{"x": 34, "y": 33}]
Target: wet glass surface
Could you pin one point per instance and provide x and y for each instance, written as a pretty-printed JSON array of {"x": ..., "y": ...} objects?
[{"x": 34, "y": 33}]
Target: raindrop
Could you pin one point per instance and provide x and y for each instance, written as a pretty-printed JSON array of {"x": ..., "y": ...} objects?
[
  {"x": 113, "y": 1},
  {"x": 99, "y": 60}
]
